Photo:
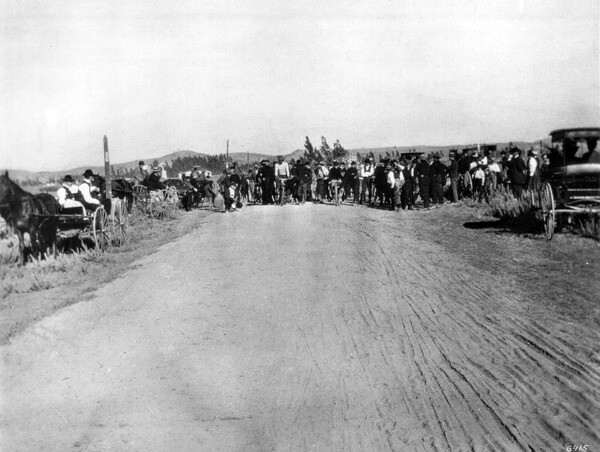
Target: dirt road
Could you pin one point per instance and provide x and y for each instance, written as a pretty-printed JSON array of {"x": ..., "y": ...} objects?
[{"x": 306, "y": 327}]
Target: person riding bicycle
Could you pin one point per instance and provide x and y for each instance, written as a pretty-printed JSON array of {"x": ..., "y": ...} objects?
[
  {"x": 282, "y": 173},
  {"x": 335, "y": 177}
]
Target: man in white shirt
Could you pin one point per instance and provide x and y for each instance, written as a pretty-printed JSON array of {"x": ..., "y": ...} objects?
[
  {"x": 533, "y": 177},
  {"x": 86, "y": 188},
  {"x": 495, "y": 170},
  {"x": 282, "y": 169},
  {"x": 144, "y": 170},
  {"x": 367, "y": 173},
  {"x": 68, "y": 194},
  {"x": 282, "y": 173}
]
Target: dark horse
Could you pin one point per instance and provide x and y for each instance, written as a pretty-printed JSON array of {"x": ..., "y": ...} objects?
[
  {"x": 121, "y": 188},
  {"x": 28, "y": 213}
]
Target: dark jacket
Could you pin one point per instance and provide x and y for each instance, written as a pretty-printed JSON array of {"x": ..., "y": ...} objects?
[
  {"x": 453, "y": 170},
  {"x": 153, "y": 182},
  {"x": 351, "y": 175},
  {"x": 463, "y": 164},
  {"x": 408, "y": 178},
  {"x": 335, "y": 173},
  {"x": 305, "y": 174},
  {"x": 517, "y": 171},
  {"x": 264, "y": 173},
  {"x": 438, "y": 172},
  {"x": 422, "y": 169}
]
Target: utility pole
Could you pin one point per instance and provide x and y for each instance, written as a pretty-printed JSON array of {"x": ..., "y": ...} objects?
[
  {"x": 227, "y": 156},
  {"x": 108, "y": 188}
]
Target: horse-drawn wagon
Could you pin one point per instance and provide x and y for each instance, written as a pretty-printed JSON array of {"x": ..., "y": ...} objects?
[
  {"x": 105, "y": 226},
  {"x": 571, "y": 186}
]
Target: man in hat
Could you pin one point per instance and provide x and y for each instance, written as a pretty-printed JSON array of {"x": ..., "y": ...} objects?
[
  {"x": 517, "y": 171},
  {"x": 351, "y": 182},
  {"x": 380, "y": 181},
  {"x": 422, "y": 173},
  {"x": 282, "y": 173},
  {"x": 68, "y": 194},
  {"x": 438, "y": 176},
  {"x": 86, "y": 188},
  {"x": 144, "y": 170},
  {"x": 264, "y": 177},
  {"x": 196, "y": 177},
  {"x": 533, "y": 175},
  {"x": 335, "y": 179},
  {"x": 322, "y": 174},
  {"x": 407, "y": 200},
  {"x": 453, "y": 174},
  {"x": 366, "y": 175},
  {"x": 305, "y": 174}
]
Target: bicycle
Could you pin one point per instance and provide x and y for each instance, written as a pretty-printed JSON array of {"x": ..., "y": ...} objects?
[
  {"x": 336, "y": 192},
  {"x": 257, "y": 193},
  {"x": 281, "y": 190}
]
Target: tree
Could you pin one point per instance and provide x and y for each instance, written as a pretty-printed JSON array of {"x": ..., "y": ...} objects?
[
  {"x": 339, "y": 152},
  {"x": 326, "y": 150},
  {"x": 308, "y": 145}
]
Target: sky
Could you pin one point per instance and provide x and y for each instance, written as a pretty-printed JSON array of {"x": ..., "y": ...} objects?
[{"x": 157, "y": 76}]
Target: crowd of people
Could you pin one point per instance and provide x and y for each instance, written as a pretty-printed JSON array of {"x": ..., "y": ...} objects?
[{"x": 394, "y": 184}]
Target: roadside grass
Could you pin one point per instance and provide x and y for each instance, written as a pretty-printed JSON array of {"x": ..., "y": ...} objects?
[
  {"x": 523, "y": 215},
  {"x": 502, "y": 204},
  {"x": 29, "y": 293}
]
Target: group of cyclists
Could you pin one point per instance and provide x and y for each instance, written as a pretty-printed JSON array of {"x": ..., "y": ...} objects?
[{"x": 393, "y": 184}]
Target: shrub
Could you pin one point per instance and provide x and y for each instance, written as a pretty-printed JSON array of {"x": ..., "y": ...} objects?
[
  {"x": 502, "y": 204},
  {"x": 588, "y": 225}
]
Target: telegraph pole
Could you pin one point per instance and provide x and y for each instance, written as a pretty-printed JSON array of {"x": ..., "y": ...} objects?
[{"x": 108, "y": 188}]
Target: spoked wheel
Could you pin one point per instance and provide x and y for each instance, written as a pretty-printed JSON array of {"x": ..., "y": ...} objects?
[
  {"x": 140, "y": 197},
  {"x": 120, "y": 223},
  {"x": 533, "y": 199},
  {"x": 101, "y": 229},
  {"x": 548, "y": 213}
]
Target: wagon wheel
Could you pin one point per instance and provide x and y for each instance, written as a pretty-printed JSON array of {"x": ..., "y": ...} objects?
[
  {"x": 548, "y": 213},
  {"x": 172, "y": 202},
  {"x": 140, "y": 197},
  {"x": 534, "y": 198},
  {"x": 468, "y": 184},
  {"x": 155, "y": 209},
  {"x": 101, "y": 229},
  {"x": 120, "y": 223}
]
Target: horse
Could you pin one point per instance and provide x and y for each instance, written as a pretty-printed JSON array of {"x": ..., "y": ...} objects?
[
  {"x": 31, "y": 214},
  {"x": 121, "y": 188}
]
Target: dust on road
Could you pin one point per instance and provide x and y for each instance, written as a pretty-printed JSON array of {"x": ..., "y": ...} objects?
[{"x": 303, "y": 327}]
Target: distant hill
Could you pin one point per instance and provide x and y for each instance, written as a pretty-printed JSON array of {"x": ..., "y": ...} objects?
[{"x": 43, "y": 177}]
